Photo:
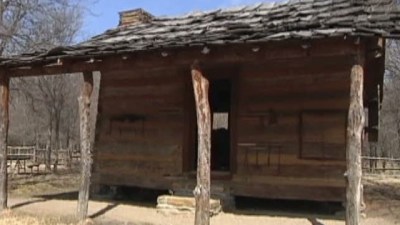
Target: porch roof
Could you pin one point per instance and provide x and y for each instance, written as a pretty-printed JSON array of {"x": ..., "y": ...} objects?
[{"x": 295, "y": 19}]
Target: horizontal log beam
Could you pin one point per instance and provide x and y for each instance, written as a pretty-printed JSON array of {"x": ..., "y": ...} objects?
[{"x": 184, "y": 56}]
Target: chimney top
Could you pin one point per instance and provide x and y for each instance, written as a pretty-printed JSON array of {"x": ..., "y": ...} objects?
[{"x": 134, "y": 16}]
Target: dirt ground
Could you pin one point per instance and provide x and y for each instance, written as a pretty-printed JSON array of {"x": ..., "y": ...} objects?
[{"x": 51, "y": 199}]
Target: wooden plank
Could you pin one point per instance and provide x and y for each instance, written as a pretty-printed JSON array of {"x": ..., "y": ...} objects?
[
  {"x": 323, "y": 135},
  {"x": 154, "y": 158},
  {"x": 282, "y": 83},
  {"x": 317, "y": 90},
  {"x": 354, "y": 144},
  {"x": 292, "y": 192},
  {"x": 137, "y": 168},
  {"x": 293, "y": 87},
  {"x": 133, "y": 137},
  {"x": 4, "y": 121},
  {"x": 202, "y": 190},
  {"x": 86, "y": 145},
  {"x": 290, "y": 159},
  {"x": 140, "y": 148},
  {"x": 173, "y": 87},
  {"x": 154, "y": 182},
  {"x": 147, "y": 74},
  {"x": 303, "y": 171},
  {"x": 142, "y": 108},
  {"x": 143, "y": 81},
  {"x": 295, "y": 104},
  {"x": 300, "y": 181},
  {"x": 298, "y": 68},
  {"x": 141, "y": 129},
  {"x": 149, "y": 101}
]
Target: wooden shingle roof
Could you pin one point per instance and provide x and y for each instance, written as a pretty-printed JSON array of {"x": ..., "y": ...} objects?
[{"x": 295, "y": 19}]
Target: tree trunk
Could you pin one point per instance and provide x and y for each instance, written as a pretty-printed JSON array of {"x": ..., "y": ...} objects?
[
  {"x": 202, "y": 190},
  {"x": 354, "y": 144},
  {"x": 36, "y": 146},
  {"x": 4, "y": 119},
  {"x": 86, "y": 145},
  {"x": 57, "y": 141},
  {"x": 68, "y": 145},
  {"x": 48, "y": 146}
]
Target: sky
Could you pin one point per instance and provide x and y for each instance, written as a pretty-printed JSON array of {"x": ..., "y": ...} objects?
[{"x": 103, "y": 14}]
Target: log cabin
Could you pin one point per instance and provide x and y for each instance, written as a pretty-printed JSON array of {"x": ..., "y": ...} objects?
[{"x": 280, "y": 94}]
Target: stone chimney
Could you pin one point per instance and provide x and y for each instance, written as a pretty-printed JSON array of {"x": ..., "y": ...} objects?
[{"x": 135, "y": 16}]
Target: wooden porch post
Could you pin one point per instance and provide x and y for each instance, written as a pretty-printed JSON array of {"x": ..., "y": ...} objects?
[
  {"x": 4, "y": 119},
  {"x": 354, "y": 143},
  {"x": 86, "y": 145},
  {"x": 202, "y": 190}
]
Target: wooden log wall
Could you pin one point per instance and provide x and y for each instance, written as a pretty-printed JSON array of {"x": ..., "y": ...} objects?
[
  {"x": 288, "y": 124},
  {"x": 140, "y": 133},
  {"x": 291, "y": 128}
]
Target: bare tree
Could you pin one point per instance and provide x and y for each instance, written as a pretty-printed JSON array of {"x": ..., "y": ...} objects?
[
  {"x": 389, "y": 139},
  {"x": 53, "y": 109},
  {"x": 389, "y": 128},
  {"x": 41, "y": 106},
  {"x": 31, "y": 25}
]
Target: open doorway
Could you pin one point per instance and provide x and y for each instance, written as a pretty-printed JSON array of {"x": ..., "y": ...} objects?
[
  {"x": 220, "y": 104},
  {"x": 220, "y": 93}
]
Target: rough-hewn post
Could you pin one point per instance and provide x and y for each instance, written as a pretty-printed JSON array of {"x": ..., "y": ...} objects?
[
  {"x": 4, "y": 98},
  {"x": 202, "y": 190},
  {"x": 86, "y": 145},
  {"x": 354, "y": 144}
]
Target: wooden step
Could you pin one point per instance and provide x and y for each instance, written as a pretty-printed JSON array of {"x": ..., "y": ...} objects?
[
  {"x": 168, "y": 204},
  {"x": 220, "y": 191}
]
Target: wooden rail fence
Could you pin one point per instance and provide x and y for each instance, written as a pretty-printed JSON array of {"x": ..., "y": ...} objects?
[
  {"x": 381, "y": 164},
  {"x": 20, "y": 155}
]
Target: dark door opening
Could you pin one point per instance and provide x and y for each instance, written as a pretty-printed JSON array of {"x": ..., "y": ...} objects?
[{"x": 220, "y": 104}]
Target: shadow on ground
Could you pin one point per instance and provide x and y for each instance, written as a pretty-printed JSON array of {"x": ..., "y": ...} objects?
[
  {"x": 129, "y": 196},
  {"x": 73, "y": 195},
  {"x": 244, "y": 206},
  {"x": 289, "y": 208},
  {"x": 29, "y": 202},
  {"x": 103, "y": 211}
]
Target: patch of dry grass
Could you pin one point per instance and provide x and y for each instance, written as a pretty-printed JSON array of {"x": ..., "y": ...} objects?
[
  {"x": 10, "y": 217},
  {"x": 44, "y": 184}
]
